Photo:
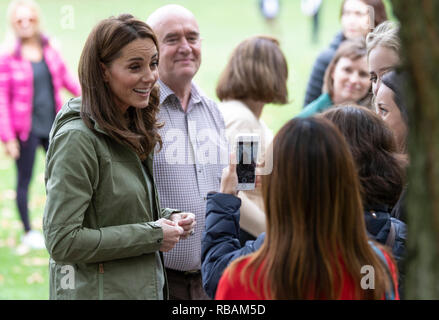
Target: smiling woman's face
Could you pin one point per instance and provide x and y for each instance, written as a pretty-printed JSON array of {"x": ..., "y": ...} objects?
[
  {"x": 351, "y": 80},
  {"x": 386, "y": 107},
  {"x": 133, "y": 74}
]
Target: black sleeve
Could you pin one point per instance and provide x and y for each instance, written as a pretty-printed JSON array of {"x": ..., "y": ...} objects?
[{"x": 315, "y": 82}]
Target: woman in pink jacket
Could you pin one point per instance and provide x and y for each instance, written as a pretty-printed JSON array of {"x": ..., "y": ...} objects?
[{"x": 32, "y": 75}]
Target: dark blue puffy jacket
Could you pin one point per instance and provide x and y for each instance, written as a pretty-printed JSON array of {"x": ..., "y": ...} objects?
[
  {"x": 220, "y": 242},
  {"x": 315, "y": 82},
  {"x": 378, "y": 224}
]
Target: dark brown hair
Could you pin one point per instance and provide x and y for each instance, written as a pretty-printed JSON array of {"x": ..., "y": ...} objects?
[
  {"x": 137, "y": 128},
  {"x": 394, "y": 80},
  {"x": 378, "y": 7},
  {"x": 372, "y": 143},
  {"x": 257, "y": 70},
  {"x": 354, "y": 50},
  {"x": 315, "y": 224}
]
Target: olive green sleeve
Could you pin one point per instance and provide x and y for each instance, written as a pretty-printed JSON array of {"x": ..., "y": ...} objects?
[
  {"x": 167, "y": 212},
  {"x": 72, "y": 176}
]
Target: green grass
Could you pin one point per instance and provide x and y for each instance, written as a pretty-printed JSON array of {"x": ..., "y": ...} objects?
[{"x": 223, "y": 25}]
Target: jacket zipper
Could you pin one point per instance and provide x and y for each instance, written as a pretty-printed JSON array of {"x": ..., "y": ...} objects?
[{"x": 101, "y": 281}]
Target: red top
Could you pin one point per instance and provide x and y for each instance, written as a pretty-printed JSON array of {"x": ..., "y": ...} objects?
[{"x": 232, "y": 289}]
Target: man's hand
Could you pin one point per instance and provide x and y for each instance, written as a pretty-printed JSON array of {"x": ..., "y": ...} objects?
[
  {"x": 171, "y": 234},
  {"x": 185, "y": 220}
]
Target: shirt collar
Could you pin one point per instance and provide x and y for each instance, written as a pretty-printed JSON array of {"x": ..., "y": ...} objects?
[{"x": 165, "y": 92}]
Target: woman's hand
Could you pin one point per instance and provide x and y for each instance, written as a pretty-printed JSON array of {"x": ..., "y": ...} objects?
[
  {"x": 13, "y": 149},
  {"x": 229, "y": 178},
  {"x": 171, "y": 234},
  {"x": 186, "y": 220}
]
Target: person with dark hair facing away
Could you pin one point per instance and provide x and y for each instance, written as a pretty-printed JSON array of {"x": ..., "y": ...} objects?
[
  {"x": 346, "y": 79},
  {"x": 355, "y": 21},
  {"x": 102, "y": 218},
  {"x": 255, "y": 75},
  {"x": 381, "y": 171},
  {"x": 316, "y": 241}
]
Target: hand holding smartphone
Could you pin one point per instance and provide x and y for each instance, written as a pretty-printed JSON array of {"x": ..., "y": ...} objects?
[{"x": 247, "y": 155}]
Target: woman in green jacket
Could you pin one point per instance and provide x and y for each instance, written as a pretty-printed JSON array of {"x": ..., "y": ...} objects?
[
  {"x": 103, "y": 225},
  {"x": 346, "y": 79}
]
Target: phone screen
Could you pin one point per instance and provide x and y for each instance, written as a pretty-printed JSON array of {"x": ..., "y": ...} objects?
[{"x": 246, "y": 161}]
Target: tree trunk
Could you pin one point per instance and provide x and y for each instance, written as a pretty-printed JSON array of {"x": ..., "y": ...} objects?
[{"x": 420, "y": 51}]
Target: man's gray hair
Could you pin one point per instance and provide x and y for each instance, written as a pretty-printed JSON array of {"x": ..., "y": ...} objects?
[{"x": 158, "y": 15}]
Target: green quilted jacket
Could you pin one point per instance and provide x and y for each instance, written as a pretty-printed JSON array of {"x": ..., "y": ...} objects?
[{"x": 99, "y": 216}]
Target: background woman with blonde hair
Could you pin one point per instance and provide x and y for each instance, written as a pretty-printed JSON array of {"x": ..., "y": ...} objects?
[
  {"x": 383, "y": 51},
  {"x": 32, "y": 74},
  {"x": 316, "y": 242},
  {"x": 255, "y": 75}
]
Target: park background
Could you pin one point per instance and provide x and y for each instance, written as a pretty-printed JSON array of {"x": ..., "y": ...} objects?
[{"x": 223, "y": 24}]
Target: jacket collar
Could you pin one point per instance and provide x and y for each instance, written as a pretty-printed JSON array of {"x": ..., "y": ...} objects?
[{"x": 17, "y": 50}]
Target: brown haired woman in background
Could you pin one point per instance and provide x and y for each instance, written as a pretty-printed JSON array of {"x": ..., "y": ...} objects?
[
  {"x": 346, "y": 79},
  {"x": 316, "y": 242},
  {"x": 102, "y": 219},
  {"x": 255, "y": 75}
]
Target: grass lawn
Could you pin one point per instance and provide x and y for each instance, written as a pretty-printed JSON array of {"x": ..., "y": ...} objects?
[{"x": 223, "y": 24}]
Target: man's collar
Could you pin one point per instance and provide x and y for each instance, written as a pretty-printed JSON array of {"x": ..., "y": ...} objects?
[{"x": 165, "y": 92}]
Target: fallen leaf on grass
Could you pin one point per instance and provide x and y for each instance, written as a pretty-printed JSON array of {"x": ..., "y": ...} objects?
[
  {"x": 35, "y": 262},
  {"x": 7, "y": 213},
  {"x": 40, "y": 177},
  {"x": 17, "y": 270},
  {"x": 9, "y": 194},
  {"x": 11, "y": 242},
  {"x": 5, "y": 224},
  {"x": 16, "y": 225},
  {"x": 35, "y": 277},
  {"x": 2, "y": 279},
  {"x": 6, "y": 164},
  {"x": 37, "y": 224},
  {"x": 37, "y": 202},
  {"x": 22, "y": 250}
]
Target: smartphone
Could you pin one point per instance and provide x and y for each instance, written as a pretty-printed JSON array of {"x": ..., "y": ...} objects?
[{"x": 247, "y": 155}]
